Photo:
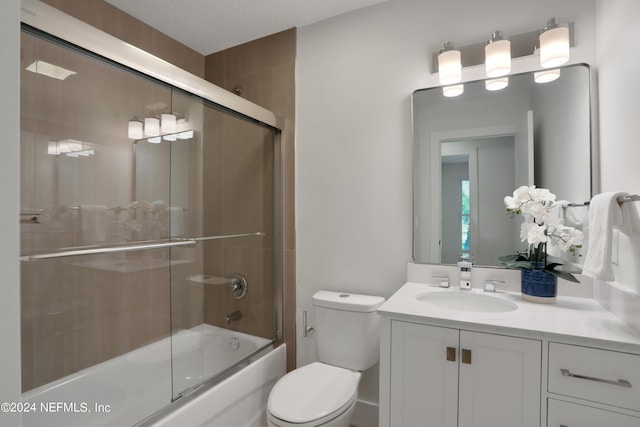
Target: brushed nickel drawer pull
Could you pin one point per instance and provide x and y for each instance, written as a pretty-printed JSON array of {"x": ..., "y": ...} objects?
[
  {"x": 451, "y": 354},
  {"x": 466, "y": 356},
  {"x": 621, "y": 383}
]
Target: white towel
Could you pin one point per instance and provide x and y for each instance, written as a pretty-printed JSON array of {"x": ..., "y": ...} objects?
[
  {"x": 93, "y": 223},
  {"x": 176, "y": 221},
  {"x": 605, "y": 213}
]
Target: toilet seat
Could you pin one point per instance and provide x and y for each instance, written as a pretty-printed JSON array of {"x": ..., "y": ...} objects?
[{"x": 313, "y": 394}]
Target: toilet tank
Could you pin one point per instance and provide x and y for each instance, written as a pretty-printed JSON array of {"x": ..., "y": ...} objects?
[{"x": 347, "y": 329}]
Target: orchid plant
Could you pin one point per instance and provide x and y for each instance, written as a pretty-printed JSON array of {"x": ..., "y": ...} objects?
[{"x": 541, "y": 227}]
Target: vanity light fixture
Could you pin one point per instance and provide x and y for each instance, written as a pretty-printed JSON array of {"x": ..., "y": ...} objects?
[
  {"x": 154, "y": 129},
  {"x": 135, "y": 129},
  {"x": 497, "y": 55},
  {"x": 70, "y": 147},
  {"x": 449, "y": 65},
  {"x": 496, "y": 84},
  {"x": 452, "y": 91},
  {"x": 151, "y": 126},
  {"x": 554, "y": 44},
  {"x": 546, "y": 76}
]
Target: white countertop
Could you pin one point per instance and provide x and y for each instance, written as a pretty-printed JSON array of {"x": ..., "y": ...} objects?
[{"x": 580, "y": 320}]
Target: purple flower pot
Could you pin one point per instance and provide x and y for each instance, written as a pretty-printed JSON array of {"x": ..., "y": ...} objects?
[{"x": 539, "y": 286}]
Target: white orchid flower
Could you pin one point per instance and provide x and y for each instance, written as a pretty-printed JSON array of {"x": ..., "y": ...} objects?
[{"x": 533, "y": 233}]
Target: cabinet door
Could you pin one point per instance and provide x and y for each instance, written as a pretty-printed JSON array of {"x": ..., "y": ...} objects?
[
  {"x": 500, "y": 384},
  {"x": 565, "y": 414},
  {"x": 424, "y": 384}
]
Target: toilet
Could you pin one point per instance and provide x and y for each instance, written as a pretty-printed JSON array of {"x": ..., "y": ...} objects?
[{"x": 324, "y": 393}]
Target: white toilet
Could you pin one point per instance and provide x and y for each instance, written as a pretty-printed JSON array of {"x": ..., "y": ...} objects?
[{"x": 324, "y": 393}]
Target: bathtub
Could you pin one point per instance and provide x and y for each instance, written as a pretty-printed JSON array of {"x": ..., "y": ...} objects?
[{"x": 129, "y": 388}]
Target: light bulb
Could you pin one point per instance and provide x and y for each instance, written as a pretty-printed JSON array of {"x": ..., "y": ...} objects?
[
  {"x": 449, "y": 65},
  {"x": 451, "y": 91},
  {"x": 546, "y": 76},
  {"x": 554, "y": 44},
  {"x": 496, "y": 84},
  {"x": 497, "y": 54},
  {"x": 168, "y": 123},
  {"x": 151, "y": 126},
  {"x": 135, "y": 129}
]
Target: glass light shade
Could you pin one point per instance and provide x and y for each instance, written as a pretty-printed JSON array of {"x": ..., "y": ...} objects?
[
  {"x": 449, "y": 67},
  {"x": 74, "y": 145},
  {"x": 496, "y": 84},
  {"x": 546, "y": 76},
  {"x": 554, "y": 47},
  {"x": 135, "y": 129},
  {"x": 155, "y": 140},
  {"x": 451, "y": 91},
  {"x": 168, "y": 123},
  {"x": 497, "y": 58},
  {"x": 185, "y": 135},
  {"x": 52, "y": 148},
  {"x": 151, "y": 126},
  {"x": 171, "y": 137}
]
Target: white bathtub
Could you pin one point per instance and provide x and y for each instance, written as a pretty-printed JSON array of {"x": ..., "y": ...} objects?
[{"x": 124, "y": 390}]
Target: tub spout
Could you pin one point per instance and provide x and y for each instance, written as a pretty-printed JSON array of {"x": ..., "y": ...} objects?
[{"x": 233, "y": 317}]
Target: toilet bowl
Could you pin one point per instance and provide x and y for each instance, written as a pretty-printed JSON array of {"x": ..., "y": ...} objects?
[
  {"x": 324, "y": 393},
  {"x": 314, "y": 395}
]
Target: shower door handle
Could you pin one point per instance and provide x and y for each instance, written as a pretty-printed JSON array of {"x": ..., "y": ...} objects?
[{"x": 108, "y": 250}]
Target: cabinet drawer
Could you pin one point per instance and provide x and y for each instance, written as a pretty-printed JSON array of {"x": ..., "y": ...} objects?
[
  {"x": 565, "y": 414},
  {"x": 598, "y": 375}
]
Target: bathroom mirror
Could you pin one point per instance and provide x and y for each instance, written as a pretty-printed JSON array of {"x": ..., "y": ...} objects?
[{"x": 472, "y": 150}]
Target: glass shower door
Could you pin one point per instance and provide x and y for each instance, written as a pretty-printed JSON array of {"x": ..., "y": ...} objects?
[{"x": 95, "y": 314}]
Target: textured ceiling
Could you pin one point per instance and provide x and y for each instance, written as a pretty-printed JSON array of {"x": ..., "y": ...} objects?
[{"x": 209, "y": 26}]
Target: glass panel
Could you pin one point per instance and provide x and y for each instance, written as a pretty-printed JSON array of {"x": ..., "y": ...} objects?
[
  {"x": 212, "y": 331},
  {"x": 95, "y": 328}
]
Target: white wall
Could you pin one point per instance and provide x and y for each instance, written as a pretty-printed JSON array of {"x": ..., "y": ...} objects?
[
  {"x": 355, "y": 75},
  {"x": 619, "y": 86},
  {"x": 9, "y": 194}
]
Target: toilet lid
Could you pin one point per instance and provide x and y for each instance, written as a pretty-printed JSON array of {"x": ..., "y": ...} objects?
[{"x": 312, "y": 392}]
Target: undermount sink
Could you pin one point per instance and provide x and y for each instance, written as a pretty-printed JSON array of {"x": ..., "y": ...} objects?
[{"x": 466, "y": 301}]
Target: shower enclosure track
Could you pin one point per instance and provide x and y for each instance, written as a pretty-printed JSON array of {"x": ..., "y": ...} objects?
[{"x": 159, "y": 244}]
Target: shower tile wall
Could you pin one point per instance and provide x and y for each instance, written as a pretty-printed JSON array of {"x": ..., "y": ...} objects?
[{"x": 265, "y": 71}]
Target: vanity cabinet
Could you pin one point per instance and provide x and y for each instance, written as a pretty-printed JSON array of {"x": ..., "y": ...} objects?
[
  {"x": 445, "y": 377},
  {"x": 592, "y": 377}
]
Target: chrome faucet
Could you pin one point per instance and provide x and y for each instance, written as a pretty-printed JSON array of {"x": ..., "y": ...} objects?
[{"x": 233, "y": 317}]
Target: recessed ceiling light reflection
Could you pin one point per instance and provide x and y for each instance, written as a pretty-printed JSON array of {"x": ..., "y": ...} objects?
[{"x": 50, "y": 70}]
